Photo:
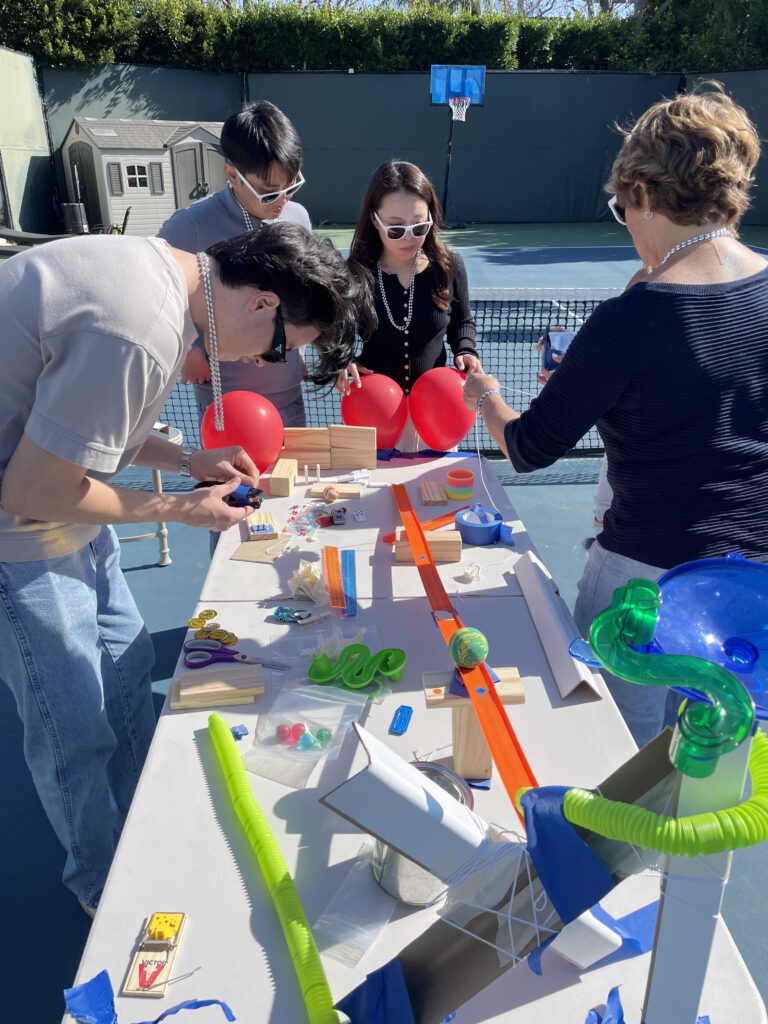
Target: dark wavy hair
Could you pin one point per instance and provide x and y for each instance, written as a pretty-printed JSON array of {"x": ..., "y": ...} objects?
[
  {"x": 396, "y": 176},
  {"x": 314, "y": 282},
  {"x": 258, "y": 136}
]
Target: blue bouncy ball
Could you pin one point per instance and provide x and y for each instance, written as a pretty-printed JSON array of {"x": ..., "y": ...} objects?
[{"x": 468, "y": 647}]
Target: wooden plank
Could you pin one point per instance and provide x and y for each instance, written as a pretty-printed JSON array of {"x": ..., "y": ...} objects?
[
  {"x": 443, "y": 547},
  {"x": 306, "y": 439},
  {"x": 432, "y": 493},
  {"x": 510, "y": 689},
  {"x": 343, "y": 458},
  {"x": 347, "y": 491},
  {"x": 211, "y": 687},
  {"x": 353, "y": 447},
  {"x": 311, "y": 458},
  {"x": 283, "y": 478}
]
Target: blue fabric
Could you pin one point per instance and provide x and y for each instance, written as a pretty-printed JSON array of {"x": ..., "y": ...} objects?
[
  {"x": 614, "y": 1012},
  {"x": 77, "y": 658},
  {"x": 381, "y": 999},
  {"x": 573, "y": 876},
  {"x": 93, "y": 1002},
  {"x": 387, "y": 454}
]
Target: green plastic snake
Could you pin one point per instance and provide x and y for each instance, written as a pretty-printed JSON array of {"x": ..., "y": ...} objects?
[
  {"x": 280, "y": 885},
  {"x": 705, "y": 731},
  {"x": 356, "y": 667}
]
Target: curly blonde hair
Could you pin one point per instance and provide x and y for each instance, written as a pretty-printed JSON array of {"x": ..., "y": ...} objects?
[{"x": 695, "y": 155}]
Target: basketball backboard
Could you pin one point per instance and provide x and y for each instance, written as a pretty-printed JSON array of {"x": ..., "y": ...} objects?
[{"x": 454, "y": 80}]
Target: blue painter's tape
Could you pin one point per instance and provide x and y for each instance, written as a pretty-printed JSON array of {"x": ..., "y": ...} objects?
[
  {"x": 93, "y": 1002},
  {"x": 382, "y": 998},
  {"x": 614, "y": 1012}
]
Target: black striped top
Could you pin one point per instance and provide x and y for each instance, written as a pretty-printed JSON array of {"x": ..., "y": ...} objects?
[{"x": 675, "y": 378}]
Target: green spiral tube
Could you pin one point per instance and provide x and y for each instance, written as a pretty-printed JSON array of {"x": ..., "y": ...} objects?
[
  {"x": 280, "y": 885},
  {"x": 692, "y": 836}
]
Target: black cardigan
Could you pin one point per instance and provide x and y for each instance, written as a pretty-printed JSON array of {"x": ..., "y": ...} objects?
[{"x": 405, "y": 357}]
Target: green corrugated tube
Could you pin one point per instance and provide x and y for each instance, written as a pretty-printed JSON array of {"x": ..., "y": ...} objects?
[{"x": 280, "y": 885}]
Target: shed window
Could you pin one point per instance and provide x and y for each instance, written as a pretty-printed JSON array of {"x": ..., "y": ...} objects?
[{"x": 136, "y": 175}]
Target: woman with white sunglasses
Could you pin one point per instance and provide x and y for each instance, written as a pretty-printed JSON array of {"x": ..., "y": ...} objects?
[{"x": 421, "y": 290}]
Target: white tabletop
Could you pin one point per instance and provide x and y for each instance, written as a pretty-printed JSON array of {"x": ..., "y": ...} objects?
[{"x": 182, "y": 848}]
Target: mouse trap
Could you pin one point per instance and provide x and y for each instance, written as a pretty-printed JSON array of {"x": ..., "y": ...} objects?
[{"x": 150, "y": 969}]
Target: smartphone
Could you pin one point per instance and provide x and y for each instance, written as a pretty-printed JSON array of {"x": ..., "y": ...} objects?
[{"x": 555, "y": 346}]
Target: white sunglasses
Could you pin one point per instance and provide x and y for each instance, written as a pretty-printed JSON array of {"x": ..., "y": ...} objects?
[
  {"x": 398, "y": 231},
  {"x": 271, "y": 197},
  {"x": 618, "y": 211}
]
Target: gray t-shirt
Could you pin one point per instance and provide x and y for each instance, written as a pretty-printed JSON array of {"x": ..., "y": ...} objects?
[
  {"x": 94, "y": 331},
  {"x": 214, "y": 219}
]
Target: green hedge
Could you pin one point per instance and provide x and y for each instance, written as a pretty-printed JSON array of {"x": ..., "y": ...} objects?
[{"x": 700, "y": 35}]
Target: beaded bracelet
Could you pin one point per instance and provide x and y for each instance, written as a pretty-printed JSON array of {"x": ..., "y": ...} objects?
[{"x": 488, "y": 391}]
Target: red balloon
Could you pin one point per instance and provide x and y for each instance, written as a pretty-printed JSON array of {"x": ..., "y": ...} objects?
[
  {"x": 436, "y": 405},
  {"x": 250, "y": 421},
  {"x": 380, "y": 403}
]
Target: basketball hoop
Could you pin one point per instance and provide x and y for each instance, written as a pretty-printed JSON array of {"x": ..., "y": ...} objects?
[{"x": 459, "y": 106}]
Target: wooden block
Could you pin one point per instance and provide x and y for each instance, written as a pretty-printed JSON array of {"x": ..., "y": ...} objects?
[
  {"x": 510, "y": 689},
  {"x": 444, "y": 547},
  {"x": 283, "y": 478},
  {"x": 432, "y": 493},
  {"x": 217, "y": 686},
  {"x": 306, "y": 439},
  {"x": 311, "y": 459},
  {"x": 347, "y": 491},
  {"x": 471, "y": 755},
  {"x": 259, "y": 518},
  {"x": 353, "y": 447}
]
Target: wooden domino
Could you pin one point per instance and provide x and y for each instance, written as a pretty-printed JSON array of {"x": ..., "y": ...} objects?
[
  {"x": 432, "y": 493},
  {"x": 347, "y": 491},
  {"x": 260, "y": 526},
  {"x": 283, "y": 478}
]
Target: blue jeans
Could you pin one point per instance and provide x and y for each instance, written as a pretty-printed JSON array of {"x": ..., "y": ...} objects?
[
  {"x": 646, "y": 709},
  {"x": 77, "y": 658}
]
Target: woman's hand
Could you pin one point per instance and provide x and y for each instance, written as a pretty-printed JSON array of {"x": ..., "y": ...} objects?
[
  {"x": 195, "y": 368},
  {"x": 206, "y": 508},
  {"x": 475, "y": 385},
  {"x": 223, "y": 464},
  {"x": 349, "y": 374},
  {"x": 468, "y": 363}
]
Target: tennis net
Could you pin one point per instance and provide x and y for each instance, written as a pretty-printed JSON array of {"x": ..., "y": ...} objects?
[{"x": 509, "y": 321}]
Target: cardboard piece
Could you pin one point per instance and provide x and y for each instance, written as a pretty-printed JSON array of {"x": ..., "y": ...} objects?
[
  {"x": 398, "y": 804},
  {"x": 264, "y": 551},
  {"x": 554, "y": 625}
]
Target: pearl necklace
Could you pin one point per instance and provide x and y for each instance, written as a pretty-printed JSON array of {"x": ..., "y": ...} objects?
[
  {"x": 404, "y": 326},
  {"x": 218, "y": 405},
  {"x": 719, "y": 233},
  {"x": 246, "y": 215}
]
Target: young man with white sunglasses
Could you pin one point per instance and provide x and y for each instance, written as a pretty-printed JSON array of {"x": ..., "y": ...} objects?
[{"x": 262, "y": 153}]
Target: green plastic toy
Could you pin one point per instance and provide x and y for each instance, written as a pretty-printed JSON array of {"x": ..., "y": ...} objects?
[{"x": 356, "y": 667}]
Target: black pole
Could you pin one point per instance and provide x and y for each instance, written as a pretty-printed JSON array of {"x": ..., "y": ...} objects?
[{"x": 447, "y": 167}]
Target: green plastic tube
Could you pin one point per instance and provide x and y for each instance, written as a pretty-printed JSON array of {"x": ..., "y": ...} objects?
[
  {"x": 280, "y": 885},
  {"x": 692, "y": 836},
  {"x": 705, "y": 731}
]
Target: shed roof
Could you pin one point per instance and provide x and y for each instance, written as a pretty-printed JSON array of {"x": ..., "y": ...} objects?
[{"x": 128, "y": 133}]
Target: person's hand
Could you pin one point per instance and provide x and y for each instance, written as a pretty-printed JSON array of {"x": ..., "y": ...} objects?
[
  {"x": 468, "y": 363},
  {"x": 348, "y": 376},
  {"x": 475, "y": 385},
  {"x": 223, "y": 464},
  {"x": 195, "y": 368},
  {"x": 542, "y": 375},
  {"x": 206, "y": 508}
]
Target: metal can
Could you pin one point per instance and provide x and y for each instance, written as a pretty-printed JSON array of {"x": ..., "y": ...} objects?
[{"x": 398, "y": 875}]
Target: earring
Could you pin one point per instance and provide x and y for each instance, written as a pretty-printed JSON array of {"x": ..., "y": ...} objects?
[{"x": 648, "y": 214}]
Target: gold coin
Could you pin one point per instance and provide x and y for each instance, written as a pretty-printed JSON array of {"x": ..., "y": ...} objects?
[
  {"x": 208, "y": 613},
  {"x": 203, "y": 634},
  {"x": 220, "y": 634},
  {"x": 197, "y": 623},
  {"x": 230, "y": 641}
]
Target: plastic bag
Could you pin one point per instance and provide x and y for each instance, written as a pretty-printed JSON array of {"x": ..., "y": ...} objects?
[{"x": 305, "y": 725}]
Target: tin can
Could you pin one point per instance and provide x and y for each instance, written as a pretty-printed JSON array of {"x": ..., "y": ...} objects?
[{"x": 401, "y": 877}]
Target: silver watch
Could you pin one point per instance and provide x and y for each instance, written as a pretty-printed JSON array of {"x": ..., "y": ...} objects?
[{"x": 185, "y": 463}]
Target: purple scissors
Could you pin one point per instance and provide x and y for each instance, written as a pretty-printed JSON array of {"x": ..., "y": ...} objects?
[{"x": 203, "y": 653}]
